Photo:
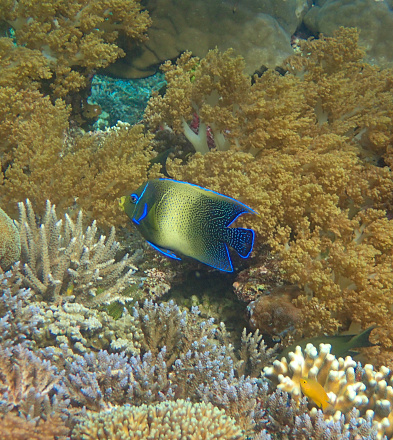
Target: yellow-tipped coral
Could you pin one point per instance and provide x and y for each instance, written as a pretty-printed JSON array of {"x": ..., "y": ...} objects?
[
  {"x": 346, "y": 383},
  {"x": 164, "y": 421}
]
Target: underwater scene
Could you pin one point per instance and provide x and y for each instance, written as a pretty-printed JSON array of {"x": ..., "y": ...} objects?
[{"x": 196, "y": 219}]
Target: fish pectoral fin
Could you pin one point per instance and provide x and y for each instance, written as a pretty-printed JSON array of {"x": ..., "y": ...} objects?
[
  {"x": 240, "y": 239},
  {"x": 163, "y": 251}
]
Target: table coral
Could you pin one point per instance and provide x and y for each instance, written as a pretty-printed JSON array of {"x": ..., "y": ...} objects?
[
  {"x": 166, "y": 420},
  {"x": 75, "y": 38},
  {"x": 9, "y": 241}
]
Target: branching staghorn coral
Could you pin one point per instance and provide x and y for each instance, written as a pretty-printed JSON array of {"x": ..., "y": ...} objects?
[
  {"x": 181, "y": 357},
  {"x": 66, "y": 260},
  {"x": 18, "y": 318},
  {"x": 29, "y": 386},
  {"x": 75, "y": 38},
  {"x": 284, "y": 418},
  {"x": 166, "y": 420}
]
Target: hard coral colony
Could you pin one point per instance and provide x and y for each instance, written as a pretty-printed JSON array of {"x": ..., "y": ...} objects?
[{"x": 87, "y": 348}]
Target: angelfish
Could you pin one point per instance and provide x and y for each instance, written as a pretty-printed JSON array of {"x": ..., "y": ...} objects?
[{"x": 182, "y": 218}]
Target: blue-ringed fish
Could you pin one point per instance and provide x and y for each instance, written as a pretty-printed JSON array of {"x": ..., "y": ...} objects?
[
  {"x": 314, "y": 391},
  {"x": 181, "y": 218}
]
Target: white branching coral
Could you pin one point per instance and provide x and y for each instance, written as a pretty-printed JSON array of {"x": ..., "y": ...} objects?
[
  {"x": 348, "y": 385},
  {"x": 60, "y": 258}
]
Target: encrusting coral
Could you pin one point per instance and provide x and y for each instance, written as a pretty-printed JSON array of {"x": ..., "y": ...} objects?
[
  {"x": 9, "y": 241},
  {"x": 309, "y": 151},
  {"x": 162, "y": 421}
]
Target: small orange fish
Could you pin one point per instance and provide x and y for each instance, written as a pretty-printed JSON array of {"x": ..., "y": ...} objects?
[{"x": 314, "y": 391}]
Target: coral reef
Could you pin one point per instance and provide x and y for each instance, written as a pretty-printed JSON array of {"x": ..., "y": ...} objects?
[
  {"x": 18, "y": 316},
  {"x": 260, "y": 31},
  {"x": 308, "y": 146},
  {"x": 327, "y": 16},
  {"x": 63, "y": 260},
  {"x": 309, "y": 151},
  {"x": 16, "y": 428},
  {"x": 50, "y": 163},
  {"x": 9, "y": 241},
  {"x": 83, "y": 329},
  {"x": 348, "y": 385},
  {"x": 181, "y": 356},
  {"x": 27, "y": 384},
  {"x": 166, "y": 421},
  {"x": 284, "y": 418},
  {"x": 75, "y": 38}
]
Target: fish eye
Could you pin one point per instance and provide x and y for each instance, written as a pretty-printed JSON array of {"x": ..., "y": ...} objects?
[{"x": 134, "y": 198}]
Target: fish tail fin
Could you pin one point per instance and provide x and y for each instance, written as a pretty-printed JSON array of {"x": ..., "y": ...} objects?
[
  {"x": 325, "y": 405},
  {"x": 240, "y": 239},
  {"x": 362, "y": 339}
]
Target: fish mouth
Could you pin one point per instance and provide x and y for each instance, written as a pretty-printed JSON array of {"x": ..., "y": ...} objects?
[{"x": 122, "y": 201}]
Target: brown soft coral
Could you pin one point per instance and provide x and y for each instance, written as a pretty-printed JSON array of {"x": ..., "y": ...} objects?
[
  {"x": 308, "y": 151},
  {"x": 42, "y": 158},
  {"x": 92, "y": 172},
  {"x": 75, "y": 37}
]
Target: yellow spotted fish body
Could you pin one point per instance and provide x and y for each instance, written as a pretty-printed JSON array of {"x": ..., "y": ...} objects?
[
  {"x": 181, "y": 218},
  {"x": 315, "y": 391}
]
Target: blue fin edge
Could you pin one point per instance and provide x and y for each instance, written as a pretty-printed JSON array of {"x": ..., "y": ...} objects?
[{"x": 165, "y": 252}]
